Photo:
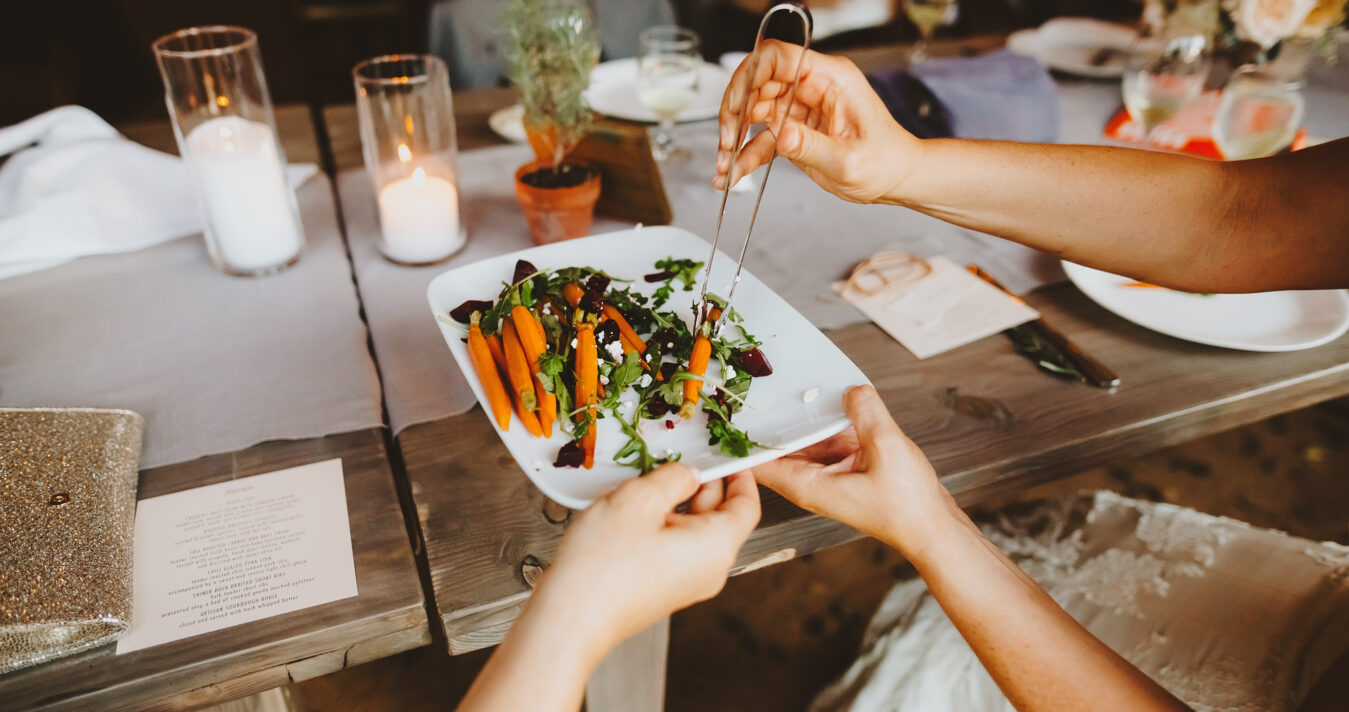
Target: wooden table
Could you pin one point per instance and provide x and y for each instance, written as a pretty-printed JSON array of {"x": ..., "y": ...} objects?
[
  {"x": 386, "y": 617},
  {"x": 989, "y": 421}
]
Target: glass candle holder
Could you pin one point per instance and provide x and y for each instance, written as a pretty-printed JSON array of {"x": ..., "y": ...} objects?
[
  {"x": 407, "y": 135},
  {"x": 222, "y": 116}
]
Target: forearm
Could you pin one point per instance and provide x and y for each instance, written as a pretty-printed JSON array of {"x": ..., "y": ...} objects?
[
  {"x": 543, "y": 663},
  {"x": 1039, "y": 656},
  {"x": 1184, "y": 222}
]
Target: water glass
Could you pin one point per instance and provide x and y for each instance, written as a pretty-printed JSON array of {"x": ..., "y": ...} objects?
[
  {"x": 222, "y": 117},
  {"x": 1259, "y": 114},
  {"x": 667, "y": 79},
  {"x": 407, "y": 135},
  {"x": 1162, "y": 76}
]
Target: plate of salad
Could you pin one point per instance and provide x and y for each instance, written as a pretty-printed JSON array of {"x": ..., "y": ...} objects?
[{"x": 584, "y": 357}]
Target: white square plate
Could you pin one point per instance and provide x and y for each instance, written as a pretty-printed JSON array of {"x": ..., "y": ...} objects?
[{"x": 775, "y": 414}]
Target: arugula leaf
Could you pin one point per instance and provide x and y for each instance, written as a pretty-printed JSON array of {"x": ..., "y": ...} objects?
[
  {"x": 620, "y": 378},
  {"x": 672, "y": 392},
  {"x": 635, "y": 452},
  {"x": 733, "y": 440},
  {"x": 685, "y": 271}
]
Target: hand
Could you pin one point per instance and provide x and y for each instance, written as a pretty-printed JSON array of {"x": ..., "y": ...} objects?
[
  {"x": 837, "y": 129},
  {"x": 870, "y": 477},
  {"x": 630, "y": 560}
]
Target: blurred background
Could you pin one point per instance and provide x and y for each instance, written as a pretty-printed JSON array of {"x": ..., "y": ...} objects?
[{"x": 96, "y": 53}]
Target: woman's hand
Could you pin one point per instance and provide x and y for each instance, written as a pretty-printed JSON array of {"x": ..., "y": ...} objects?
[
  {"x": 630, "y": 560},
  {"x": 837, "y": 129},
  {"x": 870, "y": 477}
]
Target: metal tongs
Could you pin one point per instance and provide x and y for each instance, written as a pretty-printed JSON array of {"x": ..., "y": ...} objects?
[{"x": 798, "y": 8}]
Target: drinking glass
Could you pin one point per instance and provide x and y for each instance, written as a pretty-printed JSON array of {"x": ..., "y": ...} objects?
[
  {"x": 1161, "y": 76},
  {"x": 407, "y": 135},
  {"x": 928, "y": 15},
  {"x": 1259, "y": 114},
  {"x": 222, "y": 117},
  {"x": 667, "y": 80}
]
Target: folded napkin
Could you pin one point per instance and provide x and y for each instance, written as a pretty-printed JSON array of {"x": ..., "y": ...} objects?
[
  {"x": 74, "y": 187},
  {"x": 999, "y": 95}
]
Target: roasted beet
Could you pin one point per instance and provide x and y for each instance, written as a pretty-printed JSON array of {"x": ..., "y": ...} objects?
[
  {"x": 598, "y": 283},
  {"x": 656, "y": 407},
  {"x": 463, "y": 312},
  {"x": 659, "y": 276},
  {"x": 522, "y": 270},
  {"x": 606, "y": 333},
  {"x": 667, "y": 370},
  {"x": 663, "y": 341},
  {"x": 592, "y": 302},
  {"x": 570, "y": 455},
  {"x": 754, "y": 363}
]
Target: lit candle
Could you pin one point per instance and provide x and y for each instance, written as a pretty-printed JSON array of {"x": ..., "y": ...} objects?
[
  {"x": 251, "y": 219},
  {"x": 420, "y": 217}
]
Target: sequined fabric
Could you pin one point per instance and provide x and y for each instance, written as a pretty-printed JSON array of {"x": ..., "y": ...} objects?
[{"x": 67, "y": 510}]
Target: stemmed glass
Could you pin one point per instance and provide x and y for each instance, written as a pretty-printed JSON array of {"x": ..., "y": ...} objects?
[
  {"x": 928, "y": 15},
  {"x": 668, "y": 71},
  {"x": 1162, "y": 76},
  {"x": 1259, "y": 114}
]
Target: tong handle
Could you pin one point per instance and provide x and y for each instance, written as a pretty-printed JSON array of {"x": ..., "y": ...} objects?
[{"x": 798, "y": 8}]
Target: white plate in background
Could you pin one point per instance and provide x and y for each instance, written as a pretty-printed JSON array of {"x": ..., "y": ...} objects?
[
  {"x": 613, "y": 91},
  {"x": 1068, "y": 45},
  {"x": 1266, "y": 321},
  {"x": 802, "y": 359}
]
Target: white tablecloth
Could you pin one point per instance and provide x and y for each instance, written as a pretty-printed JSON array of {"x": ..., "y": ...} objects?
[{"x": 214, "y": 363}]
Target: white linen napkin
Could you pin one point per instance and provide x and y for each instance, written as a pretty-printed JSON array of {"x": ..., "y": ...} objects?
[{"x": 75, "y": 187}]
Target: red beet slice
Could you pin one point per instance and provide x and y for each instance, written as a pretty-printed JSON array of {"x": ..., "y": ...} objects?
[
  {"x": 463, "y": 312},
  {"x": 570, "y": 455},
  {"x": 755, "y": 363},
  {"x": 522, "y": 269}
]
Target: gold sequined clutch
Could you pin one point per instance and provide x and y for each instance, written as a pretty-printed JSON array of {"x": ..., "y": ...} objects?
[{"x": 67, "y": 513}]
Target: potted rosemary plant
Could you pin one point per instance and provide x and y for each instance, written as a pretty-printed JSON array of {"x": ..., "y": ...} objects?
[{"x": 550, "y": 50}]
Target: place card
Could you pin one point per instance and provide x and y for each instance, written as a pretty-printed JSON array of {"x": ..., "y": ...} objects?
[
  {"x": 946, "y": 308},
  {"x": 239, "y": 551}
]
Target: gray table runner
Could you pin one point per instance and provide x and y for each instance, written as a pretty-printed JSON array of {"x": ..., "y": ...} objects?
[
  {"x": 214, "y": 363},
  {"x": 805, "y": 239}
]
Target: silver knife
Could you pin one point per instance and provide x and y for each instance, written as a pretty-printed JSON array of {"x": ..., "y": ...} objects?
[{"x": 701, "y": 311}]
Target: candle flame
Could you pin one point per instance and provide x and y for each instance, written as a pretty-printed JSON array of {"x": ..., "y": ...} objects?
[
  {"x": 404, "y": 154},
  {"x": 419, "y": 177},
  {"x": 222, "y": 101}
]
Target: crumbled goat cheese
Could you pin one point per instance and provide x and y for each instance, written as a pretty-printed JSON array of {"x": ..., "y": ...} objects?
[
  {"x": 644, "y": 381},
  {"x": 604, "y": 379},
  {"x": 573, "y": 343},
  {"x": 730, "y": 372},
  {"x": 615, "y": 349},
  {"x": 810, "y": 394}
]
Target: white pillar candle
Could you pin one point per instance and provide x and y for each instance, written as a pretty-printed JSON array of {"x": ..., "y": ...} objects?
[
  {"x": 251, "y": 218},
  {"x": 420, "y": 218}
]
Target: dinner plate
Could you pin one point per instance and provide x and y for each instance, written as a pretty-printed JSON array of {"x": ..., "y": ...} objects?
[
  {"x": 799, "y": 404},
  {"x": 1069, "y": 44},
  {"x": 1266, "y": 321},
  {"x": 613, "y": 91}
]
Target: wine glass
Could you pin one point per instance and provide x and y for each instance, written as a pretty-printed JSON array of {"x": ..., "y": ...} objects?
[
  {"x": 667, "y": 79},
  {"x": 1162, "y": 76},
  {"x": 1258, "y": 116},
  {"x": 928, "y": 15}
]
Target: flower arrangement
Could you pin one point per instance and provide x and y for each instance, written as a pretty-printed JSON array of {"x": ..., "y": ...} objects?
[{"x": 1254, "y": 29}]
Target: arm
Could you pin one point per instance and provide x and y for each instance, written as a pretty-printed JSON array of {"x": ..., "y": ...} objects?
[
  {"x": 625, "y": 563},
  {"x": 875, "y": 479},
  {"x": 1273, "y": 223}
]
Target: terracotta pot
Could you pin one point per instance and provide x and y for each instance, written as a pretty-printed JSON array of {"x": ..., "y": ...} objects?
[{"x": 557, "y": 213}]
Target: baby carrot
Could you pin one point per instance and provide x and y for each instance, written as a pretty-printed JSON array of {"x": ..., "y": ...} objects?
[
  {"x": 587, "y": 382},
  {"x": 702, "y": 353},
  {"x": 488, "y": 375},
  {"x": 498, "y": 355},
  {"x": 625, "y": 329},
  {"x": 522, "y": 383},
  {"x": 572, "y": 292},
  {"x": 531, "y": 340}
]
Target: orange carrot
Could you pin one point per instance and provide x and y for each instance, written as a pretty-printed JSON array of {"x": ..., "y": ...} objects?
[
  {"x": 522, "y": 383},
  {"x": 488, "y": 375},
  {"x": 531, "y": 339},
  {"x": 573, "y": 293},
  {"x": 1141, "y": 285},
  {"x": 625, "y": 329},
  {"x": 587, "y": 385},
  {"x": 498, "y": 355},
  {"x": 702, "y": 353}
]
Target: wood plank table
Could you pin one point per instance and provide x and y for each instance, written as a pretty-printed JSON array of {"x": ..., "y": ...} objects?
[
  {"x": 989, "y": 421},
  {"x": 386, "y": 617}
]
